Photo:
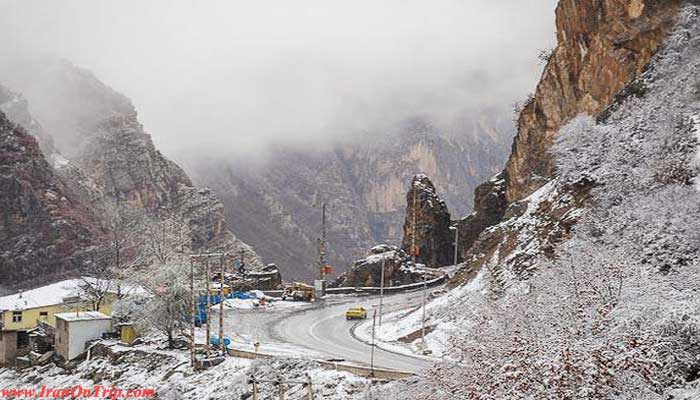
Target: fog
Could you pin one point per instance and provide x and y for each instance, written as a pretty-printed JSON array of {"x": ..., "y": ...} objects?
[{"x": 232, "y": 77}]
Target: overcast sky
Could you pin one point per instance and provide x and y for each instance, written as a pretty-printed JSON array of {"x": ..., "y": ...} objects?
[{"x": 236, "y": 75}]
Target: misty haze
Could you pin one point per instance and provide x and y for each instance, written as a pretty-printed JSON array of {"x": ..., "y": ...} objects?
[{"x": 350, "y": 200}]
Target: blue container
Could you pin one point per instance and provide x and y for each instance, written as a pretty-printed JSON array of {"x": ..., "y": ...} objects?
[{"x": 214, "y": 341}]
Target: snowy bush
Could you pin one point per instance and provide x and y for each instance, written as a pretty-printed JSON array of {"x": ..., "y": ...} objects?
[{"x": 616, "y": 315}]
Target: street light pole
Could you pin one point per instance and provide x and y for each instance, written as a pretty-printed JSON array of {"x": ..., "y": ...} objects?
[
  {"x": 371, "y": 363},
  {"x": 381, "y": 291},
  {"x": 193, "y": 311},
  {"x": 422, "y": 328},
  {"x": 414, "y": 250}
]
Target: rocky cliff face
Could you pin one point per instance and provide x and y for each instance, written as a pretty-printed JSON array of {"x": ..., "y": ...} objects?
[
  {"x": 427, "y": 234},
  {"x": 602, "y": 47},
  {"x": 16, "y": 109},
  {"x": 43, "y": 230},
  {"x": 271, "y": 202},
  {"x": 109, "y": 159}
]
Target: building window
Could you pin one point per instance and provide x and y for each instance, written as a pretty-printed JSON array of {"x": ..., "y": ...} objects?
[
  {"x": 16, "y": 316},
  {"x": 43, "y": 313}
]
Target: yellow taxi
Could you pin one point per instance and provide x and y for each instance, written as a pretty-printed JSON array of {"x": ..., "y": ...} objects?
[{"x": 356, "y": 313}]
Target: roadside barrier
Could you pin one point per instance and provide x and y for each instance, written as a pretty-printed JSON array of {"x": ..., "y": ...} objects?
[{"x": 374, "y": 289}]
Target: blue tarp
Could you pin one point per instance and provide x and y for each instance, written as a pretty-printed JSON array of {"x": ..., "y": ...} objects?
[{"x": 201, "y": 316}]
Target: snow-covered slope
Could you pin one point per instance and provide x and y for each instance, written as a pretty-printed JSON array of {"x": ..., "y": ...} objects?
[
  {"x": 168, "y": 374},
  {"x": 615, "y": 314}
]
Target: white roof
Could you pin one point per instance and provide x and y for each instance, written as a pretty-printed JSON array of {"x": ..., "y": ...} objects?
[
  {"x": 49, "y": 295},
  {"x": 41, "y": 297},
  {"x": 82, "y": 316}
]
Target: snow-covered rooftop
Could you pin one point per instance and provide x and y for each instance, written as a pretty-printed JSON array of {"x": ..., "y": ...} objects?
[
  {"x": 82, "y": 316},
  {"x": 41, "y": 297},
  {"x": 52, "y": 294}
]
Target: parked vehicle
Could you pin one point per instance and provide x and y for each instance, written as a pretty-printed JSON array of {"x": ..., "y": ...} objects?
[
  {"x": 298, "y": 291},
  {"x": 356, "y": 313}
]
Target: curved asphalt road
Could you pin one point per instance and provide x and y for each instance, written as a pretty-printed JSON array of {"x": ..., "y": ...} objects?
[{"x": 323, "y": 329}]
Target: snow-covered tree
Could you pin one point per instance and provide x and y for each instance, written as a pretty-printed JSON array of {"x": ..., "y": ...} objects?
[
  {"x": 616, "y": 314},
  {"x": 162, "y": 276},
  {"x": 164, "y": 304}
]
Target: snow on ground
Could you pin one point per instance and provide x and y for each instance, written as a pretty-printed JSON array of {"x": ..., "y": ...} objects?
[
  {"x": 271, "y": 304},
  {"x": 169, "y": 374},
  {"x": 695, "y": 120},
  {"x": 397, "y": 324},
  {"x": 58, "y": 161}
]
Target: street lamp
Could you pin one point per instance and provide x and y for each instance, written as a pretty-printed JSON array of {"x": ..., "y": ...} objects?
[{"x": 381, "y": 290}]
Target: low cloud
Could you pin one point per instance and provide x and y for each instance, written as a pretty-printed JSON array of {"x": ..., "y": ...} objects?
[{"x": 232, "y": 77}]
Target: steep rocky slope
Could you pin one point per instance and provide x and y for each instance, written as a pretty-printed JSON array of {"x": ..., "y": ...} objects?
[
  {"x": 101, "y": 155},
  {"x": 426, "y": 229},
  {"x": 587, "y": 286},
  {"x": 602, "y": 47},
  {"x": 43, "y": 230},
  {"x": 271, "y": 202}
]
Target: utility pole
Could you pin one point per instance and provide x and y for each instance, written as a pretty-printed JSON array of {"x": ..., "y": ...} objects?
[
  {"x": 381, "y": 291},
  {"x": 322, "y": 244},
  {"x": 193, "y": 311},
  {"x": 198, "y": 258},
  {"x": 207, "y": 312},
  {"x": 222, "y": 347},
  {"x": 320, "y": 285}
]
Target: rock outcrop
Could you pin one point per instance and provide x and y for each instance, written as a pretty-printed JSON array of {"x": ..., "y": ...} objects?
[
  {"x": 602, "y": 47},
  {"x": 16, "y": 109},
  {"x": 367, "y": 272},
  {"x": 427, "y": 234},
  {"x": 44, "y": 232},
  {"x": 271, "y": 202},
  {"x": 109, "y": 159}
]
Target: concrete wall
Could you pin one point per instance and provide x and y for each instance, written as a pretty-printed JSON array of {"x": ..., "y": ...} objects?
[{"x": 70, "y": 342}]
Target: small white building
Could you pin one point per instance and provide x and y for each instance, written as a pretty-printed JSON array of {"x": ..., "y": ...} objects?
[{"x": 75, "y": 329}]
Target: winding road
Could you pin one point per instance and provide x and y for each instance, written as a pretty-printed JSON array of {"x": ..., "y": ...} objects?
[{"x": 321, "y": 331}]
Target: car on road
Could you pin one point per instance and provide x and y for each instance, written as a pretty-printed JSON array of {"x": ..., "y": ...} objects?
[{"x": 356, "y": 313}]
